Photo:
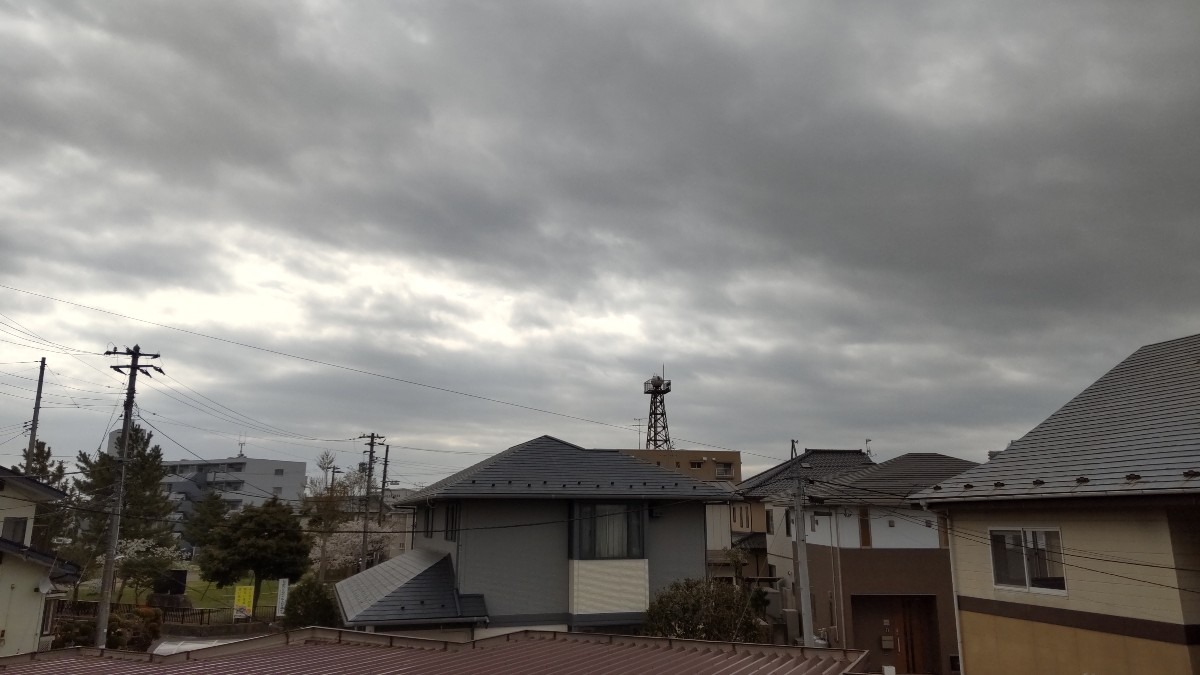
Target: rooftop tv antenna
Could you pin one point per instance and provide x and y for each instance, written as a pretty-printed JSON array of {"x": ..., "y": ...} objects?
[{"x": 657, "y": 435}]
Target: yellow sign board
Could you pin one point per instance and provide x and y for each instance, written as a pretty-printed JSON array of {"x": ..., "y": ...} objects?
[{"x": 243, "y": 602}]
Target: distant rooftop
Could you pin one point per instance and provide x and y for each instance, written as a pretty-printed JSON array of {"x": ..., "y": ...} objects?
[
  {"x": 549, "y": 468},
  {"x": 1135, "y": 431},
  {"x": 890, "y": 482},
  {"x": 821, "y": 463}
]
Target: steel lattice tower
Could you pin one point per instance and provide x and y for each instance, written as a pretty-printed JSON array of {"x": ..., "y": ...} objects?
[{"x": 657, "y": 436}]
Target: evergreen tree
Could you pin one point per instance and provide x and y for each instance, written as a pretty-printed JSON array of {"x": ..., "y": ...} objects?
[
  {"x": 206, "y": 518},
  {"x": 144, "y": 509},
  {"x": 266, "y": 541},
  {"x": 50, "y": 521}
]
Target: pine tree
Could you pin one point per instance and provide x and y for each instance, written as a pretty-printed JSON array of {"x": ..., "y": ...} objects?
[
  {"x": 206, "y": 518},
  {"x": 266, "y": 541},
  {"x": 50, "y": 521},
  {"x": 144, "y": 509}
]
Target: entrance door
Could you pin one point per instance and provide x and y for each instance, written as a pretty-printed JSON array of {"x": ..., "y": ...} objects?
[{"x": 899, "y": 630}]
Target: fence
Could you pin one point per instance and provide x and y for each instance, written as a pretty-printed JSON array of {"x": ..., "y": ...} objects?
[{"x": 200, "y": 616}]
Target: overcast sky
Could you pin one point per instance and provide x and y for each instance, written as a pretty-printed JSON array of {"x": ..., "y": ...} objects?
[{"x": 927, "y": 224}]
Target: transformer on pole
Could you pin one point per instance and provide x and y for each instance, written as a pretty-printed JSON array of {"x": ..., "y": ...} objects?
[{"x": 657, "y": 436}]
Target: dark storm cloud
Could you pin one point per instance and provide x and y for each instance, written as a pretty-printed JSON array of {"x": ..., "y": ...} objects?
[{"x": 930, "y": 223}]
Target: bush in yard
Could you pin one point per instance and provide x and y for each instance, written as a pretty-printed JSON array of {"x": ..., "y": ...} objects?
[
  {"x": 132, "y": 631},
  {"x": 703, "y": 609},
  {"x": 310, "y": 604}
]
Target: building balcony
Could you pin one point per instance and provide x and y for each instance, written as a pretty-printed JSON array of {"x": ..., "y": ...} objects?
[{"x": 609, "y": 586}]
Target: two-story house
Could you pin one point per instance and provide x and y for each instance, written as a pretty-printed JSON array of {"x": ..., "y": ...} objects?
[
  {"x": 546, "y": 534},
  {"x": 28, "y": 577},
  {"x": 878, "y": 565},
  {"x": 1077, "y": 549}
]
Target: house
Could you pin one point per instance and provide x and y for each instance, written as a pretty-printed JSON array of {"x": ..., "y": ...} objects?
[
  {"x": 750, "y": 523},
  {"x": 339, "y": 652},
  {"x": 879, "y": 568},
  {"x": 723, "y": 467},
  {"x": 1077, "y": 548},
  {"x": 545, "y": 534},
  {"x": 28, "y": 577}
]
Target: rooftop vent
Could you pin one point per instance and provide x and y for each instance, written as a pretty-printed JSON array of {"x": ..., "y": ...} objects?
[
  {"x": 937, "y": 487},
  {"x": 967, "y": 486},
  {"x": 1038, "y": 481},
  {"x": 1133, "y": 476},
  {"x": 1083, "y": 479},
  {"x": 1191, "y": 473},
  {"x": 998, "y": 484}
]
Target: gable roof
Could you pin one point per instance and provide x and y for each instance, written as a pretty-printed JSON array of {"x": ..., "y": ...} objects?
[
  {"x": 822, "y": 463},
  {"x": 416, "y": 586},
  {"x": 30, "y": 484},
  {"x": 1135, "y": 431},
  {"x": 549, "y": 468},
  {"x": 891, "y": 482}
]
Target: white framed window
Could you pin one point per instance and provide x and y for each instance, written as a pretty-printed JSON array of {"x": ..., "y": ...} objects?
[
  {"x": 1028, "y": 558},
  {"x": 609, "y": 531}
]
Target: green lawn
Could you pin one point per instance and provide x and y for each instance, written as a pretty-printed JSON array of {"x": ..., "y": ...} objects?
[{"x": 203, "y": 593}]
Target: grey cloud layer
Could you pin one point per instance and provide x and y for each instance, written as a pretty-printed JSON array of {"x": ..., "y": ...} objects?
[{"x": 934, "y": 221}]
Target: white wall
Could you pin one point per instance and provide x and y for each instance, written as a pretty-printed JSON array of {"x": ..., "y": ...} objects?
[{"x": 21, "y": 603}]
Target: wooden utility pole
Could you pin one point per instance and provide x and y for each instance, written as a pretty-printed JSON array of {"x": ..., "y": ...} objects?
[
  {"x": 114, "y": 523},
  {"x": 374, "y": 439},
  {"x": 37, "y": 407}
]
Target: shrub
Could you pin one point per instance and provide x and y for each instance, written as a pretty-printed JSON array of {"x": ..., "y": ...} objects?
[
  {"x": 702, "y": 609},
  {"x": 133, "y": 631},
  {"x": 310, "y": 604}
]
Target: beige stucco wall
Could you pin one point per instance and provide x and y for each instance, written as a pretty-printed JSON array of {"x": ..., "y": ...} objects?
[
  {"x": 994, "y": 645},
  {"x": 20, "y": 602},
  {"x": 1139, "y": 535}
]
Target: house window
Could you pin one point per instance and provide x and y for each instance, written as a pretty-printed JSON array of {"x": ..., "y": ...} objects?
[
  {"x": 451, "y": 530},
  {"x": 771, "y": 522},
  {"x": 277, "y": 491},
  {"x": 278, "y": 472},
  {"x": 48, "y": 615},
  {"x": 696, "y": 465},
  {"x": 724, "y": 470},
  {"x": 14, "y": 529},
  {"x": 864, "y": 527},
  {"x": 787, "y": 517},
  {"x": 607, "y": 531},
  {"x": 429, "y": 522},
  {"x": 1028, "y": 558}
]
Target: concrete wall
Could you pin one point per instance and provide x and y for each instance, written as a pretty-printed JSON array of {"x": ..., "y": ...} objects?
[
  {"x": 675, "y": 544},
  {"x": 519, "y": 570}
]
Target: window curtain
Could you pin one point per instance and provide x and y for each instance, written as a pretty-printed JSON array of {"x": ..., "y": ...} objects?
[{"x": 612, "y": 531}]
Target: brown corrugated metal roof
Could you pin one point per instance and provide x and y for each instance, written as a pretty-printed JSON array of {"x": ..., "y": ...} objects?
[{"x": 323, "y": 650}]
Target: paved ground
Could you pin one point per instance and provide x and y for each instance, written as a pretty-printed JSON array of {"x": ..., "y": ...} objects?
[{"x": 173, "y": 645}]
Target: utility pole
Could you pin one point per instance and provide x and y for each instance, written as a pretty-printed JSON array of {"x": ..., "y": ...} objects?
[
  {"x": 383, "y": 482},
  {"x": 800, "y": 549},
  {"x": 37, "y": 407},
  {"x": 374, "y": 439},
  {"x": 114, "y": 523}
]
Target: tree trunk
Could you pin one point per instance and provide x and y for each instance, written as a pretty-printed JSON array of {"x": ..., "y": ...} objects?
[
  {"x": 323, "y": 559},
  {"x": 257, "y": 588},
  {"x": 120, "y": 592}
]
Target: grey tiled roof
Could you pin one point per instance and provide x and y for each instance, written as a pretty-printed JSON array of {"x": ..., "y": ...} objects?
[
  {"x": 1135, "y": 431},
  {"x": 890, "y": 482},
  {"x": 414, "y": 587},
  {"x": 782, "y": 477},
  {"x": 548, "y": 468}
]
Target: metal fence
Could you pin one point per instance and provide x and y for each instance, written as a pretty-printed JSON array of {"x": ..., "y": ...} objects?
[{"x": 200, "y": 616}]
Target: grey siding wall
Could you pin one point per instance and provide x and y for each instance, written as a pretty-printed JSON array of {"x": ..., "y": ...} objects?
[
  {"x": 675, "y": 544},
  {"x": 519, "y": 570},
  {"x": 436, "y": 542}
]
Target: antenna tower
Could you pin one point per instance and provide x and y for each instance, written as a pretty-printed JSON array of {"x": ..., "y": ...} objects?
[{"x": 657, "y": 436}]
